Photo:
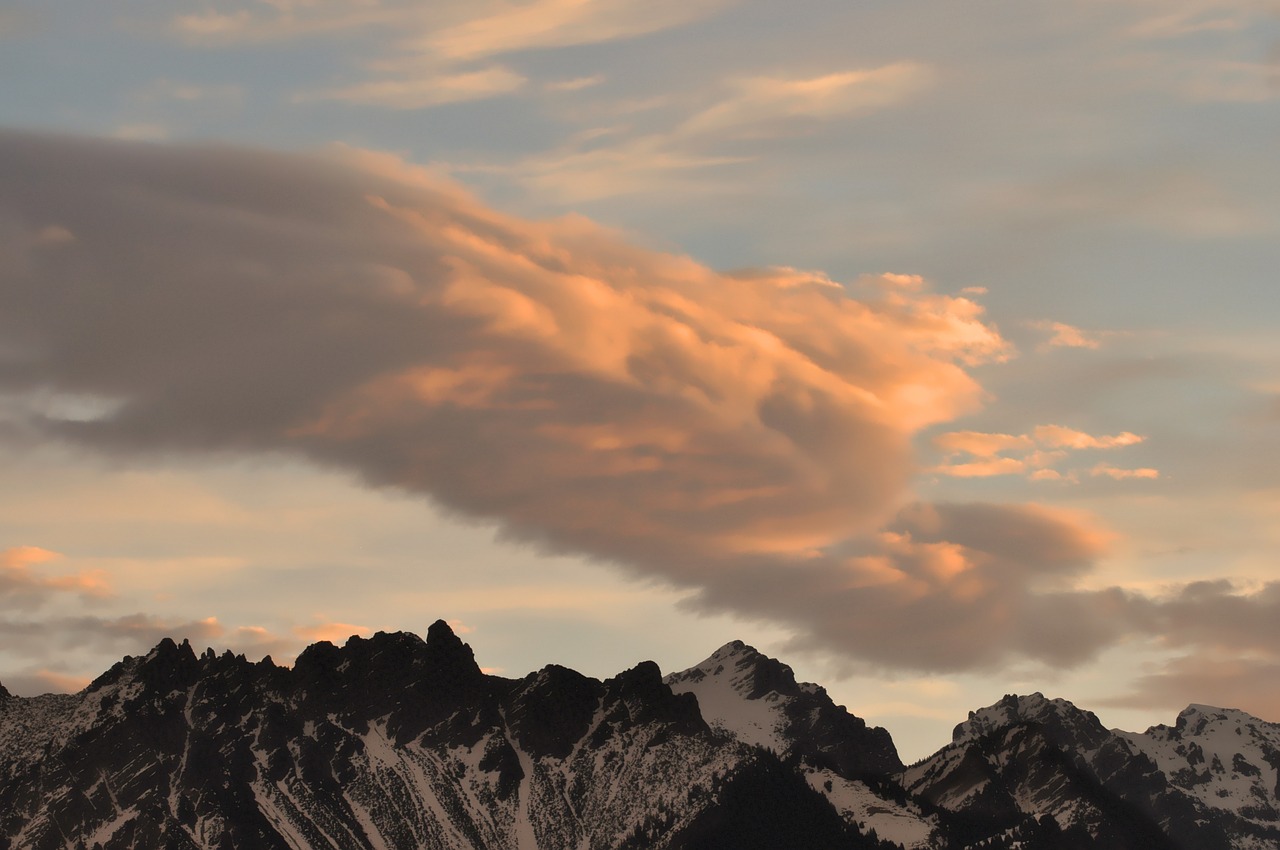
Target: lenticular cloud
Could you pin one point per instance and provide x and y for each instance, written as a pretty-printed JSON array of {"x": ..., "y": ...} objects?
[{"x": 583, "y": 393}]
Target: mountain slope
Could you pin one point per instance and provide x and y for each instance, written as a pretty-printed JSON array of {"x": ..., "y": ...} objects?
[{"x": 400, "y": 742}]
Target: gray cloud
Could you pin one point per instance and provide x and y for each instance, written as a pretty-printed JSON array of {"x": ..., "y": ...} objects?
[
  {"x": 589, "y": 395},
  {"x": 947, "y": 587},
  {"x": 742, "y": 435},
  {"x": 1230, "y": 681}
]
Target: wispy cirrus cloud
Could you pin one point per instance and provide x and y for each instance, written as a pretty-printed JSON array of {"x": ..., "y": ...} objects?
[
  {"x": 442, "y": 53},
  {"x": 708, "y": 137},
  {"x": 562, "y": 23},
  {"x": 420, "y": 91},
  {"x": 778, "y": 105}
]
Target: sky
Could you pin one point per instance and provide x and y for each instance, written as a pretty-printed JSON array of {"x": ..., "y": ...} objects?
[{"x": 926, "y": 346}]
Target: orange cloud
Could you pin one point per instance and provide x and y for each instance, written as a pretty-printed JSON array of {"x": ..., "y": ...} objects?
[
  {"x": 18, "y": 579},
  {"x": 980, "y": 444},
  {"x": 955, "y": 586},
  {"x": 746, "y": 436},
  {"x": 1056, "y": 436},
  {"x": 61, "y": 682},
  {"x": 1038, "y": 452},
  {"x": 333, "y": 632},
  {"x": 1118, "y": 474},
  {"x": 1062, "y": 335}
]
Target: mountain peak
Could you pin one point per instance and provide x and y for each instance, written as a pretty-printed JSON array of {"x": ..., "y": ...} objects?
[
  {"x": 1197, "y": 712},
  {"x": 441, "y": 633},
  {"x": 746, "y": 670},
  {"x": 1012, "y": 710},
  {"x": 758, "y": 700}
]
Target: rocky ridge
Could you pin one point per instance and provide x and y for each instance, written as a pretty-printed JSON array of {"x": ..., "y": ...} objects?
[{"x": 402, "y": 742}]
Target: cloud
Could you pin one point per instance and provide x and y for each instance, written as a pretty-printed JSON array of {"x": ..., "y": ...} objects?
[
  {"x": 1066, "y": 336},
  {"x": 744, "y": 436},
  {"x": 52, "y": 638},
  {"x": 365, "y": 319},
  {"x": 945, "y": 587},
  {"x": 34, "y": 682},
  {"x": 1228, "y": 638},
  {"x": 612, "y": 161},
  {"x": 1187, "y": 18},
  {"x": 332, "y": 632},
  {"x": 980, "y": 444},
  {"x": 1229, "y": 681},
  {"x": 18, "y": 581},
  {"x": 771, "y": 105},
  {"x": 284, "y": 21},
  {"x": 1118, "y": 474},
  {"x": 421, "y": 92},
  {"x": 437, "y": 45},
  {"x": 982, "y": 455},
  {"x": 563, "y": 23},
  {"x": 1058, "y": 437},
  {"x": 173, "y": 90},
  {"x": 46, "y": 640},
  {"x": 574, "y": 83},
  {"x": 1219, "y": 615}
]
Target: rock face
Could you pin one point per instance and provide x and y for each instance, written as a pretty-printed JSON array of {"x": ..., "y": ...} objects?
[
  {"x": 1210, "y": 782},
  {"x": 400, "y": 742}
]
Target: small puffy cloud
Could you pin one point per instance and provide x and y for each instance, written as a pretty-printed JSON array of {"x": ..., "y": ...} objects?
[
  {"x": 980, "y": 444},
  {"x": 974, "y": 454},
  {"x": 19, "y": 581},
  {"x": 1059, "y": 437},
  {"x": 1118, "y": 474},
  {"x": 1062, "y": 335},
  {"x": 333, "y": 632}
]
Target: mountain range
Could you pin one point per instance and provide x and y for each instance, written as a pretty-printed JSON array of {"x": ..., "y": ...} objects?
[{"x": 399, "y": 741}]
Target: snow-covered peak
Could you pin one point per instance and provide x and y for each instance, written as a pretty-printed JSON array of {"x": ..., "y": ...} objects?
[
  {"x": 738, "y": 691},
  {"x": 1224, "y": 757},
  {"x": 1197, "y": 716},
  {"x": 757, "y": 699},
  {"x": 1060, "y": 714}
]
